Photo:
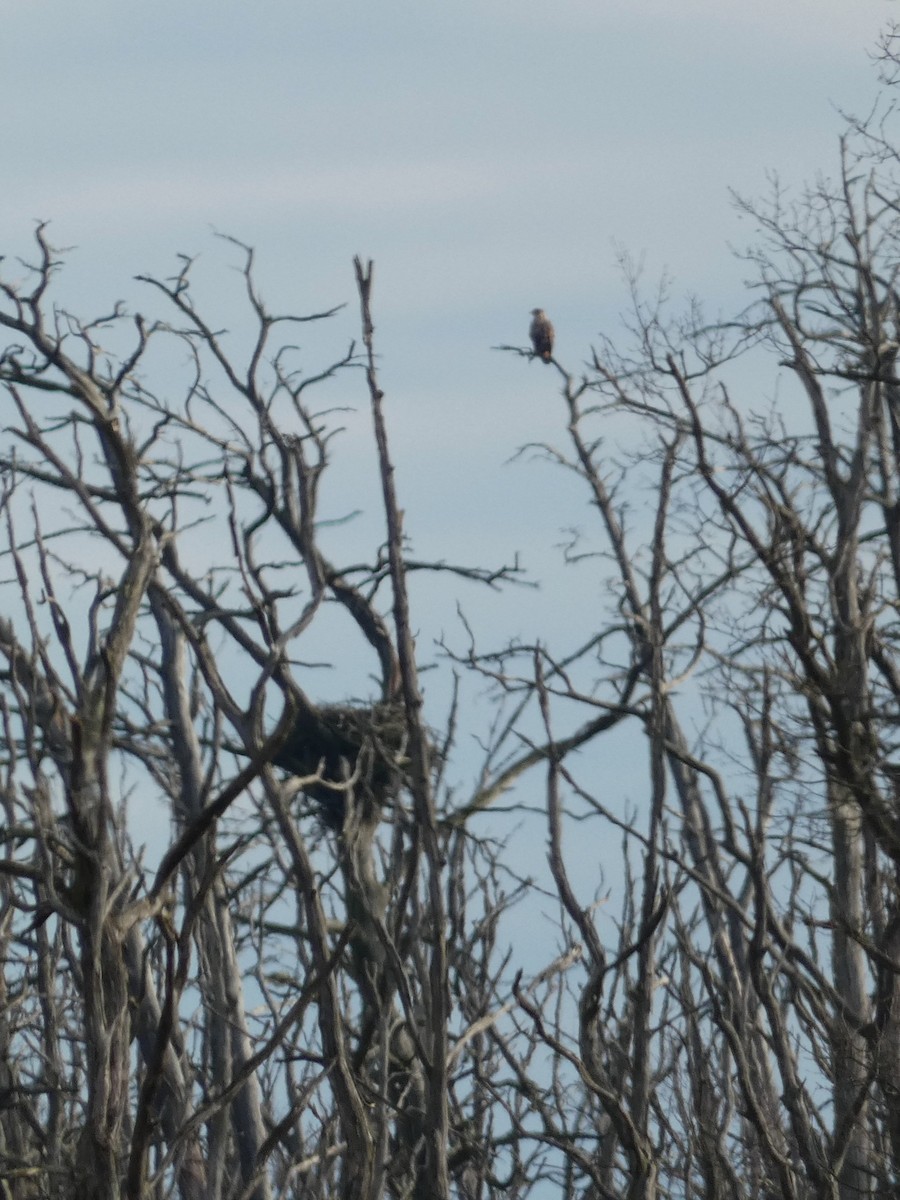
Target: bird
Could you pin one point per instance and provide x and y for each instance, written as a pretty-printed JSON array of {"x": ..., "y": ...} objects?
[{"x": 541, "y": 334}]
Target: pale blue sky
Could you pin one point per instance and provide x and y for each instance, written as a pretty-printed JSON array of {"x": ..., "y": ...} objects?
[
  {"x": 485, "y": 153},
  {"x": 488, "y": 155}
]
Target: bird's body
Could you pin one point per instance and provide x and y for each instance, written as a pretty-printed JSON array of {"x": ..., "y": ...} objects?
[{"x": 541, "y": 334}]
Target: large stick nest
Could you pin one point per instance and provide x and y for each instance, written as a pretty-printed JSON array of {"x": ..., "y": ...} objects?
[{"x": 357, "y": 750}]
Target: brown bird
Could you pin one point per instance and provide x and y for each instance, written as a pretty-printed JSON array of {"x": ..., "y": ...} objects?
[{"x": 541, "y": 334}]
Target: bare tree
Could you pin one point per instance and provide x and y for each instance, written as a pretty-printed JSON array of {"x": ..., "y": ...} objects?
[
  {"x": 753, "y": 1051},
  {"x": 310, "y": 982},
  {"x": 268, "y": 1009}
]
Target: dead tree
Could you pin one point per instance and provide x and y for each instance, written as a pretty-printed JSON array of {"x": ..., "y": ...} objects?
[
  {"x": 165, "y": 567},
  {"x": 320, "y": 975},
  {"x": 753, "y": 642}
]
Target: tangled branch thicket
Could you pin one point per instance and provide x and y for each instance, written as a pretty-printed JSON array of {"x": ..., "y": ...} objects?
[{"x": 314, "y": 981}]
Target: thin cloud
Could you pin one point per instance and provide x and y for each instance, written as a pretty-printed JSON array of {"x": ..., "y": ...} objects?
[{"x": 204, "y": 193}]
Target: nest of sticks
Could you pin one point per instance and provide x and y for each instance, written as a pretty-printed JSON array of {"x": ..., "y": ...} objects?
[{"x": 347, "y": 751}]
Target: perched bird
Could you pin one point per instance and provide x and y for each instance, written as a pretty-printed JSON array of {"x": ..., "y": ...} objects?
[{"x": 541, "y": 334}]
